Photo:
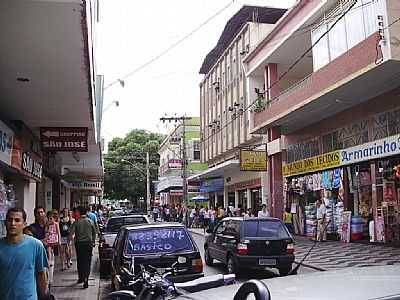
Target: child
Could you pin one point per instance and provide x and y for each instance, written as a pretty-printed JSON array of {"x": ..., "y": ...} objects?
[{"x": 52, "y": 241}]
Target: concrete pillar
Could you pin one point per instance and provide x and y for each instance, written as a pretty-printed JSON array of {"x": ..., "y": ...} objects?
[
  {"x": 29, "y": 201},
  {"x": 264, "y": 187},
  {"x": 67, "y": 197},
  {"x": 271, "y": 79},
  {"x": 236, "y": 198},
  {"x": 226, "y": 198},
  {"x": 48, "y": 194},
  {"x": 275, "y": 184},
  {"x": 216, "y": 199},
  {"x": 248, "y": 192}
]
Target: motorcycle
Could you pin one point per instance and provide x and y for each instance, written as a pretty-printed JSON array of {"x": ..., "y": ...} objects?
[{"x": 150, "y": 284}]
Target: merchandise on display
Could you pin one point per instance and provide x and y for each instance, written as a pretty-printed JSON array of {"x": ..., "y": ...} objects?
[{"x": 7, "y": 201}]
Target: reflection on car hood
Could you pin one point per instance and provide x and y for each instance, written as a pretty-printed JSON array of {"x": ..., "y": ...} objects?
[{"x": 352, "y": 283}]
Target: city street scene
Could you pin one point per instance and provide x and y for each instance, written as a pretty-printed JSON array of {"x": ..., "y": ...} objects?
[{"x": 199, "y": 150}]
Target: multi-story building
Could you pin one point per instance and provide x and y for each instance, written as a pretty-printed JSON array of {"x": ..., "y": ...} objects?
[
  {"x": 331, "y": 114},
  {"x": 224, "y": 121},
  {"x": 50, "y": 153},
  {"x": 170, "y": 183}
]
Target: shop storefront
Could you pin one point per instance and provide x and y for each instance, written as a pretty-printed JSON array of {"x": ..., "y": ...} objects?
[
  {"x": 248, "y": 194},
  {"x": 362, "y": 182},
  {"x": 214, "y": 189}
]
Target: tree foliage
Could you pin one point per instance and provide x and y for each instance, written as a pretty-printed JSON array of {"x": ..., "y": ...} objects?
[{"x": 125, "y": 164}]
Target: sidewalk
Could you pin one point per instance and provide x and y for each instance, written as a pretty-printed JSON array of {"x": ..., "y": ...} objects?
[
  {"x": 65, "y": 285},
  {"x": 332, "y": 255}
]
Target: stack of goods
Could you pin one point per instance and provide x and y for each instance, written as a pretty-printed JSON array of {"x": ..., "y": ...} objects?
[
  {"x": 339, "y": 216},
  {"x": 311, "y": 220},
  {"x": 357, "y": 228}
]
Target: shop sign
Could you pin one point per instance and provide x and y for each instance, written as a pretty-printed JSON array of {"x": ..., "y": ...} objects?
[
  {"x": 6, "y": 142},
  {"x": 313, "y": 164},
  {"x": 86, "y": 185},
  {"x": 373, "y": 150},
  {"x": 253, "y": 160},
  {"x": 211, "y": 185},
  {"x": 64, "y": 139},
  {"x": 31, "y": 166},
  {"x": 176, "y": 192},
  {"x": 174, "y": 164}
]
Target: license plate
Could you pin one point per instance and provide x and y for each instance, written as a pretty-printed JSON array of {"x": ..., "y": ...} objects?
[{"x": 267, "y": 262}]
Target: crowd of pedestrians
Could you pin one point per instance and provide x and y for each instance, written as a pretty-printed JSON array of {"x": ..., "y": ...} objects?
[
  {"x": 28, "y": 252},
  {"x": 201, "y": 216}
]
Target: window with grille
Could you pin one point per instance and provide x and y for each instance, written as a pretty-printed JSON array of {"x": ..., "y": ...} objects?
[
  {"x": 346, "y": 137},
  {"x": 302, "y": 150},
  {"x": 386, "y": 124}
]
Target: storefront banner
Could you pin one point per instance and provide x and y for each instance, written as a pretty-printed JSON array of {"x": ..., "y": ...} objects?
[
  {"x": 313, "y": 164},
  {"x": 211, "y": 185},
  {"x": 6, "y": 142},
  {"x": 373, "y": 150},
  {"x": 33, "y": 167},
  {"x": 253, "y": 160},
  {"x": 86, "y": 185}
]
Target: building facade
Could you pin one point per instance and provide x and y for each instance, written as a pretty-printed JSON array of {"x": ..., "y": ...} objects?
[
  {"x": 48, "y": 105},
  {"x": 170, "y": 183},
  {"x": 225, "y": 122},
  {"x": 331, "y": 117}
]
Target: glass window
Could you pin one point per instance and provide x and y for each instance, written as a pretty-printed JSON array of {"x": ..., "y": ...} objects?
[
  {"x": 355, "y": 25},
  {"x": 271, "y": 229},
  {"x": 196, "y": 150},
  {"x": 157, "y": 241},
  {"x": 114, "y": 225},
  {"x": 321, "y": 49},
  {"x": 336, "y": 36}
]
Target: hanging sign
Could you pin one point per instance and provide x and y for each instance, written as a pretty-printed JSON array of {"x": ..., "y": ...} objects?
[
  {"x": 313, "y": 164},
  {"x": 253, "y": 160},
  {"x": 64, "y": 139},
  {"x": 86, "y": 185},
  {"x": 6, "y": 142},
  {"x": 31, "y": 166}
]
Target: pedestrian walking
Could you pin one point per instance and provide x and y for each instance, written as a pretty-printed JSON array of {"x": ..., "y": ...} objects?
[
  {"x": 52, "y": 241},
  {"x": 65, "y": 248},
  {"x": 23, "y": 261},
  {"x": 84, "y": 232},
  {"x": 206, "y": 218},
  {"x": 263, "y": 213},
  {"x": 287, "y": 219},
  {"x": 38, "y": 228}
]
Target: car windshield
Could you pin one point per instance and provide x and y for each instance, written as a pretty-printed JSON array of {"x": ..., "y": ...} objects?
[
  {"x": 271, "y": 229},
  {"x": 114, "y": 225},
  {"x": 157, "y": 241}
]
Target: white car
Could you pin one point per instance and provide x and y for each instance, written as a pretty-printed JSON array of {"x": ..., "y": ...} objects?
[{"x": 381, "y": 282}]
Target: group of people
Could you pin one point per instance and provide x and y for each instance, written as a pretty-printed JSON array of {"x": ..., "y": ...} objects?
[{"x": 27, "y": 253}]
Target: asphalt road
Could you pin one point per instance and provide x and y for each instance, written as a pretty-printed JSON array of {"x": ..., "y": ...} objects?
[{"x": 219, "y": 268}]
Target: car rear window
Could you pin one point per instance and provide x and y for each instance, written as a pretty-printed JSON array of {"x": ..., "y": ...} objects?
[
  {"x": 157, "y": 241},
  {"x": 114, "y": 225},
  {"x": 271, "y": 229}
]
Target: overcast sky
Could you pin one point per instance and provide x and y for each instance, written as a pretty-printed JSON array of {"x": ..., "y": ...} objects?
[{"x": 132, "y": 32}]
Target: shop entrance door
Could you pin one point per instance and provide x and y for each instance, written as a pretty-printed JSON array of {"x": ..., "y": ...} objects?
[
  {"x": 256, "y": 200},
  {"x": 231, "y": 199}
]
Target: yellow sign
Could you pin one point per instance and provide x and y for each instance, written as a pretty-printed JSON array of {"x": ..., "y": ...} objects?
[
  {"x": 313, "y": 164},
  {"x": 253, "y": 160}
]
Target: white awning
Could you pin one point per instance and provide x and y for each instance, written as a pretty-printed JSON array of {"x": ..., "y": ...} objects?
[{"x": 216, "y": 171}]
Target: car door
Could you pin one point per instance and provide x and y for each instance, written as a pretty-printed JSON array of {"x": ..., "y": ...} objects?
[
  {"x": 228, "y": 239},
  {"x": 118, "y": 252},
  {"x": 218, "y": 250}
]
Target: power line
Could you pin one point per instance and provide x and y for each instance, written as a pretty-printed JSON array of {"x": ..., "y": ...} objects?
[
  {"x": 161, "y": 54},
  {"x": 291, "y": 67}
]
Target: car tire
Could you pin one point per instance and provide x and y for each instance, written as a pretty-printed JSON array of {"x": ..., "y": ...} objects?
[
  {"x": 284, "y": 271},
  {"x": 231, "y": 265},
  {"x": 207, "y": 257}
]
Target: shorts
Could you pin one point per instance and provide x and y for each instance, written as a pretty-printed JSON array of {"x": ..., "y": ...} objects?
[{"x": 64, "y": 240}]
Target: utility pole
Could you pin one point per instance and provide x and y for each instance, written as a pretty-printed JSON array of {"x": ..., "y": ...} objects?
[
  {"x": 148, "y": 196},
  {"x": 182, "y": 120}
]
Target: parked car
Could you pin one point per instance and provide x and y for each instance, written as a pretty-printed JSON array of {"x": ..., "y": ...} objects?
[
  {"x": 108, "y": 235},
  {"x": 157, "y": 245},
  {"x": 252, "y": 243},
  {"x": 381, "y": 282}
]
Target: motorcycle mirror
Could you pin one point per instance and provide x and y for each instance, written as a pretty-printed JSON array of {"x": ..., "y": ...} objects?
[{"x": 182, "y": 259}]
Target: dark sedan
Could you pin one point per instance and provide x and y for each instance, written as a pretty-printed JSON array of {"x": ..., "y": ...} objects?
[
  {"x": 108, "y": 235},
  {"x": 157, "y": 245}
]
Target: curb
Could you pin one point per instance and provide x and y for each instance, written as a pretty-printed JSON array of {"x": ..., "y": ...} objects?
[{"x": 296, "y": 262}]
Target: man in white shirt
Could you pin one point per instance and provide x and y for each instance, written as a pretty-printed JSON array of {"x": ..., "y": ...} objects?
[
  {"x": 263, "y": 213},
  {"x": 321, "y": 217}
]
